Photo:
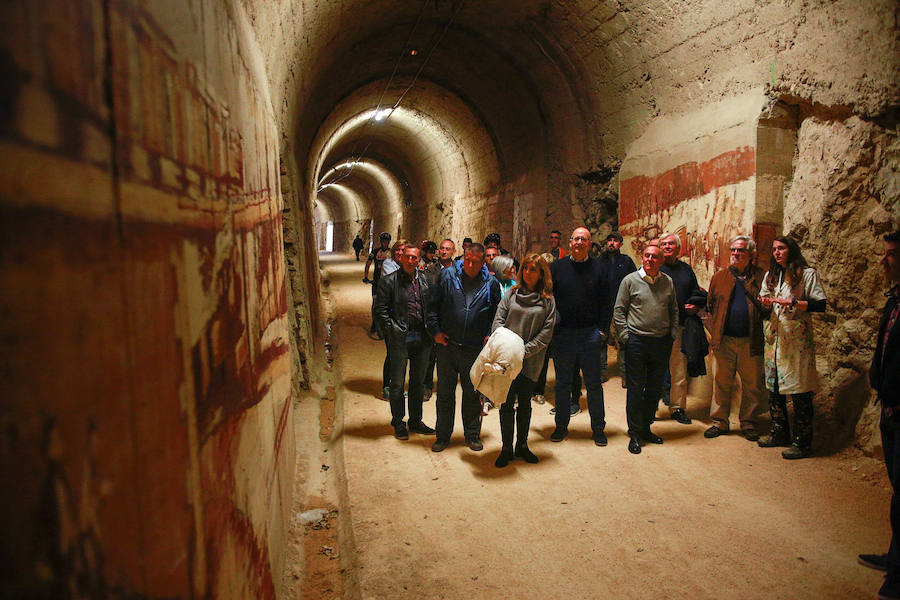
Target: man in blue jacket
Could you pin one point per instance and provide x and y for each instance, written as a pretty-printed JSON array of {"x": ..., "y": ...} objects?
[{"x": 459, "y": 319}]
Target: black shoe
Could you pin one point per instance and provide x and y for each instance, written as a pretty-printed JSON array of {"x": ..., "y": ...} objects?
[
  {"x": 679, "y": 415},
  {"x": 559, "y": 434},
  {"x": 771, "y": 441},
  {"x": 504, "y": 458},
  {"x": 475, "y": 444},
  {"x": 600, "y": 438},
  {"x": 421, "y": 427},
  {"x": 878, "y": 562},
  {"x": 751, "y": 435},
  {"x": 634, "y": 446},
  {"x": 439, "y": 445},
  {"x": 652, "y": 438},
  {"x": 795, "y": 452},
  {"x": 525, "y": 454},
  {"x": 890, "y": 589},
  {"x": 714, "y": 431},
  {"x": 574, "y": 409},
  {"x": 400, "y": 432}
]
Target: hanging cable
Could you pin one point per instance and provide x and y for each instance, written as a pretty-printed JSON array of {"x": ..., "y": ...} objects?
[{"x": 358, "y": 158}]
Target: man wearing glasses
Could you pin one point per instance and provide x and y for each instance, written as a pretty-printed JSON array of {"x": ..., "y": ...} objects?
[
  {"x": 646, "y": 317},
  {"x": 736, "y": 331},
  {"x": 582, "y": 299},
  {"x": 555, "y": 249},
  {"x": 689, "y": 302}
]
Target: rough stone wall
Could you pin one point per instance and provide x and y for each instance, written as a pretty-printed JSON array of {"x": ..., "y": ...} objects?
[
  {"x": 146, "y": 413},
  {"x": 843, "y": 198}
]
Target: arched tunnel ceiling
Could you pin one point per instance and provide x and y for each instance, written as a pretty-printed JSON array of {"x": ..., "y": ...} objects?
[
  {"x": 375, "y": 188},
  {"x": 511, "y": 79},
  {"x": 432, "y": 144}
]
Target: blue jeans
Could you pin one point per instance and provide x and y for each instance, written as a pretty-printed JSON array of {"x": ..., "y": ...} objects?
[
  {"x": 648, "y": 361},
  {"x": 585, "y": 348}
]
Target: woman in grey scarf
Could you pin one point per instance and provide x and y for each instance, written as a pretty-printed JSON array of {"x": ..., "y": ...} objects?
[{"x": 527, "y": 309}]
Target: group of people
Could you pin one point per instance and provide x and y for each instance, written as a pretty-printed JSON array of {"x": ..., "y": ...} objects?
[
  {"x": 434, "y": 308},
  {"x": 570, "y": 305}
]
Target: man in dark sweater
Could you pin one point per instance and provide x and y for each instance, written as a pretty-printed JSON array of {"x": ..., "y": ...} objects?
[
  {"x": 686, "y": 288},
  {"x": 583, "y": 303}
]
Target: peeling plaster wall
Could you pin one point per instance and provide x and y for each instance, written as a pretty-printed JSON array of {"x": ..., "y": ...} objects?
[{"x": 146, "y": 385}]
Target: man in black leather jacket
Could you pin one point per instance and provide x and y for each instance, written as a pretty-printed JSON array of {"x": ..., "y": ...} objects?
[{"x": 401, "y": 302}]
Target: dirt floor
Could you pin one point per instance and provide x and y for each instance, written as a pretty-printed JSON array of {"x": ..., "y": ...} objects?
[{"x": 693, "y": 518}]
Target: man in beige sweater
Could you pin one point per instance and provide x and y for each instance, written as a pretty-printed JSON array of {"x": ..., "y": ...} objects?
[{"x": 645, "y": 315}]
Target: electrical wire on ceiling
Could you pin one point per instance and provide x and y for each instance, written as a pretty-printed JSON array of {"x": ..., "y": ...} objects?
[{"x": 378, "y": 110}]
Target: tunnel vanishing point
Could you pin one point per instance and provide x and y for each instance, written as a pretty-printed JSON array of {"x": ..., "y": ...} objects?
[{"x": 171, "y": 169}]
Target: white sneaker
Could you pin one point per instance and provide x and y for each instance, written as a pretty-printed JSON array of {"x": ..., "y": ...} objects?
[{"x": 539, "y": 398}]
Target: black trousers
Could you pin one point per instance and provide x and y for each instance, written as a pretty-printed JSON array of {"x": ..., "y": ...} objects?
[
  {"x": 413, "y": 350},
  {"x": 518, "y": 418},
  {"x": 386, "y": 367},
  {"x": 648, "y": 362},
  {"x": 803, "y": 417},
  {"x": 541, "y": 383},
  {"x": 890, "y": 441},
  {"x": 453, "y": 364}
]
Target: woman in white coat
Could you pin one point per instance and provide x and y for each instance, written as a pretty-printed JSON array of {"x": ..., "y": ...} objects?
[
  {"x": 792, "y": 289},
  {"x": 528, "y": 310}
]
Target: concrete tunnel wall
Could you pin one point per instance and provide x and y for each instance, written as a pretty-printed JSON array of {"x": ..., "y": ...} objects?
[{"x": 158, "y": 199}]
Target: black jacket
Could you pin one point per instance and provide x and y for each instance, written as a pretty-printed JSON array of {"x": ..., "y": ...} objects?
[
  {"x": 392, "y": 303},
  {"x": 694, "y": 344},
  {"x": 619, "y": 266},
  {"x": 884, "y": 374}
]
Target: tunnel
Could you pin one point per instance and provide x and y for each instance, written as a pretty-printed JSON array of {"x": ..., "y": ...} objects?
[{"x": 176, "y": 176}]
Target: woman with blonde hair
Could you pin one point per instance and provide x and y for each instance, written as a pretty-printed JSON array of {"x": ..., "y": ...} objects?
[{"x": 528, "y": 309}]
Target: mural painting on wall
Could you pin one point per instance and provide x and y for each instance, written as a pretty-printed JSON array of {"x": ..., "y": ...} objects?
[
  {"x": 230, "y": 284},
  {"x": 521, "y": 225},
  {"x": 701, "y": 203}
]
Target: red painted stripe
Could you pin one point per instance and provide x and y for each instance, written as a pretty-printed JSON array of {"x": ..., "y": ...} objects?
[{"x": 643, "y": 196}]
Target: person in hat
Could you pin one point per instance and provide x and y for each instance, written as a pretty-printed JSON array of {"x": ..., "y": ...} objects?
[
  {"x": 618, "y": 266},
  {"x": 467, "y": 241}
]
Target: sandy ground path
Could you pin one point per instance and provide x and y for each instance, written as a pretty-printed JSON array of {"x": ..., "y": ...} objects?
[{"x": 693, "y": 518}]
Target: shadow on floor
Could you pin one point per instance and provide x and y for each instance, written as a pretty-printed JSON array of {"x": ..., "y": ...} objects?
[{"x": 364, "y": 385}]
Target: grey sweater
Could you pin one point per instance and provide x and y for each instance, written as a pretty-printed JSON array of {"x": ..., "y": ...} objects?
[
  {"x": 533, "y": 319},
  {"x": 645, "y": 309}
]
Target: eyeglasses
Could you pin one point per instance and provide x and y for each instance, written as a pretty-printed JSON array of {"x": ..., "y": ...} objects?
[
  {"x": 580, "y": 239},
  {"x": 742, "y": 250}
]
